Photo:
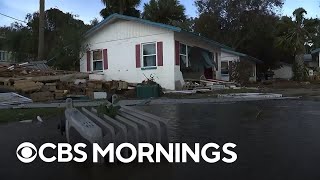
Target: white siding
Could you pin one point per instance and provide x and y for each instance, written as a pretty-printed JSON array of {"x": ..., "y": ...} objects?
[
  {"x": 229, "y": 57},
  {"x": 121, "y": 38},
  {"x": 285, "y": 72}
]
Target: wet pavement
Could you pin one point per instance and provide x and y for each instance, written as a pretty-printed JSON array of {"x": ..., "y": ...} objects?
[{"x": 275, "y": 140}]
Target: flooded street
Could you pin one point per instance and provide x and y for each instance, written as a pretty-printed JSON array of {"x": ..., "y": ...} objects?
[{"x": 275, "y": 140}]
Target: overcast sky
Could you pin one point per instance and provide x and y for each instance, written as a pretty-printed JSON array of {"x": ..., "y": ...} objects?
[{"x": 89, "y": 9}]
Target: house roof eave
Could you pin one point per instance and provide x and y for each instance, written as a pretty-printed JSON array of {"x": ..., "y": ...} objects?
[
  {"x": 233, "y": 52},
  {"x": 129, "y": 18},
  {"x": 245, "y": 56},
  {"x": 315, "y": 51},
  {"x": 195, "y": 35}
]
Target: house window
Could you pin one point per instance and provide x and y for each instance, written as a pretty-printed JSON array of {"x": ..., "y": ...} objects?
[
  {"x": 149, "y": 55},
  {"x": 184, "y": 56},
  {"x": 225, "y": 68},
  {"x": 97, "y": 60}
]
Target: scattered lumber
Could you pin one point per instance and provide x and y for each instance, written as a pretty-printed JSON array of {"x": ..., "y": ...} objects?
[
  {"x": 41, "y": 83},
  {"x": 63, "y": 78},
  {"x": 27, "y": 86},
  {"x": 42, "y": 96}
]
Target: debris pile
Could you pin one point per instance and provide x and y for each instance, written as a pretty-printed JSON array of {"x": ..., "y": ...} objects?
[
  {"x": 45, "y": 84},
  {"x": 12, "y": 99},
  {"x": 208, "y": 84}
]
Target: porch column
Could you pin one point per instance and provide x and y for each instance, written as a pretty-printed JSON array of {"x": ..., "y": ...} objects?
[{"x": 318, "y": 59}]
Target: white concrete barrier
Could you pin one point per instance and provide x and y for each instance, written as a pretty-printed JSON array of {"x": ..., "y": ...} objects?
[{"x": 129, "y": 126}]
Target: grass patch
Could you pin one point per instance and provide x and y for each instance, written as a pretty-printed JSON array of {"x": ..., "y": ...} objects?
[{"x": 12, "y": 115}]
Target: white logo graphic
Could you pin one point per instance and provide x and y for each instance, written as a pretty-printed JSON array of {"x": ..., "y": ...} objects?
[
  {"x": 174, "y": 153},
  {"x": 24, "y": 152}
]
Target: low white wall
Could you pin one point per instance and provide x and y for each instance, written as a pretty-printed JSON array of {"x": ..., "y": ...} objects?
[{"x": 285, "y": 72}]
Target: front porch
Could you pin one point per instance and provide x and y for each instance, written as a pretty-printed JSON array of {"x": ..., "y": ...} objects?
[{"x": 196, "y": 58}]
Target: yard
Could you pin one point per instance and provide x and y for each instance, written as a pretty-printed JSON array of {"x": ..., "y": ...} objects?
[{"x": 12, "y": 115}]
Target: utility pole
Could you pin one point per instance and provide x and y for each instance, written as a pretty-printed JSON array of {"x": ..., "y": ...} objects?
[
  {"x": 41, "y": 31},
  {"x": 121, "y": 7}
]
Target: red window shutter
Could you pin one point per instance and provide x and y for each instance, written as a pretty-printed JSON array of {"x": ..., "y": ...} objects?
[
  {"x": 177, "y": 53},
  {"x": 138, "y": 55},
  {"x": 105, "y": 59},
  {"x": 160, "y": 53},
  {"x": 88, "y": 61}
]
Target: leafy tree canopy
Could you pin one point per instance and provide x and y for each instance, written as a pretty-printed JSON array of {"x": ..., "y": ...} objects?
[
  {"x": 247, "y": 26},
  {"x": 297, "y": 36},
  {"x": 125, "y": 7},
  {"x": 165, "y": 11},
  {"x": 63, "y": 35}
]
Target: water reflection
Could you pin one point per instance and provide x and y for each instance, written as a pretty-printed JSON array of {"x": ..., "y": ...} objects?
[
  {"x": 279, "y": 137},
  {"x": 275, "y": 140}
]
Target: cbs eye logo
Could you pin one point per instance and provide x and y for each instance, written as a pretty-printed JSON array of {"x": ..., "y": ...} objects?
[{"x": 24, "y": 152}]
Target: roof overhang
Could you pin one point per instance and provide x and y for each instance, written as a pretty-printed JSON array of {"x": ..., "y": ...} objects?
[
  {"x": 243, "y": 56},
  {"x": 114, "y": 17},
  {"x": 315, "y": 51},
  {"x": 204, "y": 39},
  {"x": 229, "y": 51}
]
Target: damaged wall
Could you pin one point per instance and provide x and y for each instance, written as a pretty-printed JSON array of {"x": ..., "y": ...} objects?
[{"x": 195, "y": 42}]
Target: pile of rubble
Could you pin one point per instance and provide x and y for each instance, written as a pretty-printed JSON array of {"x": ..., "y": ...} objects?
[
  {"x": 43, "y": 85},
  {"x": 209, "y": 84}
]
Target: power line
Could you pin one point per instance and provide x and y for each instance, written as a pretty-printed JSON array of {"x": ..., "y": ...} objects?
[{"x": 13, "y": 18}]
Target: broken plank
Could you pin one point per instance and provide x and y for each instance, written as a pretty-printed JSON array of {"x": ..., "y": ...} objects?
[{"x": 68, "y": 77}]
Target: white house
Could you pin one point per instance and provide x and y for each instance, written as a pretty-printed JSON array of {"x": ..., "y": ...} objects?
[
  {"x": 283, "y": 72},
  {"x": 229, "y": 56},
  {"x": 132, "y": 49},
  {"x": 313, "y": 60}
]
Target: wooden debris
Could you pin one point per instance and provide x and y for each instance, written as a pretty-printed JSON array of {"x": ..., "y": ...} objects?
[
  {"x": 60, "y": 94},
  {"x": 48, "y": 84},
  {"x": 62, "y": 78},
  {"x": 42, "y": 96},
  {"x": 49, "y": 87},
  {"x": 27, "y": 86}
]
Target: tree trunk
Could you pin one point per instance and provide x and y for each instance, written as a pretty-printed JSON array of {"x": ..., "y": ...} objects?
[
  {"x": 41, "y": 31},
  {"x": 121, "y": 7},
  {"x": 299, "y": 68},
  {"x": 300, "y": 60}
]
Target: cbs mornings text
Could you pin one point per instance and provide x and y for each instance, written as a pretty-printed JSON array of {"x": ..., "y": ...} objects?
[{"x": 143, "y": 153}]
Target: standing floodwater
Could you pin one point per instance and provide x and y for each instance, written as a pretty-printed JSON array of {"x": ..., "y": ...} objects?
[{"x": 275, "y": 140}]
